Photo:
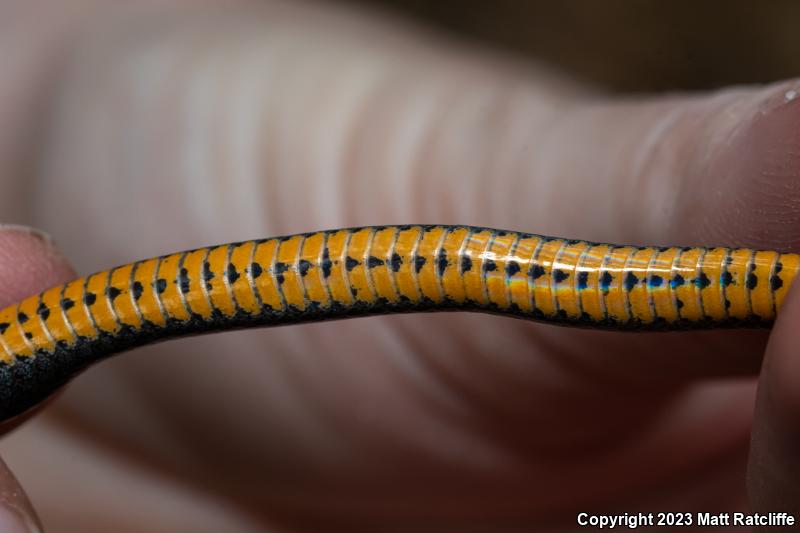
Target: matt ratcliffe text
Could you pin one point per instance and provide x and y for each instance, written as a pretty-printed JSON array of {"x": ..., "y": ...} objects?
[{"x": 635, "y": 520}]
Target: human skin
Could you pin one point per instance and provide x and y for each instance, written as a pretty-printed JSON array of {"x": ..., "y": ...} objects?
[{"x": 175, "y": 125}]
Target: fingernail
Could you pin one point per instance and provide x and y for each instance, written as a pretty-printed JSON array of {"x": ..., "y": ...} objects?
[
  {"x": 13, "y": 522},
  {"x": 16, "y": 512},
  {"x": 30, "y": 231},
  {"x": 779, "y": 95}
]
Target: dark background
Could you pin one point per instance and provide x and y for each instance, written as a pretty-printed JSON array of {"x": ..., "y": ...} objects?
[{"x": 632, "y": 45}]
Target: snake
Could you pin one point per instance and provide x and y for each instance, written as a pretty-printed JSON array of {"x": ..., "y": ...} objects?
[{"x": 48, "y": 338}]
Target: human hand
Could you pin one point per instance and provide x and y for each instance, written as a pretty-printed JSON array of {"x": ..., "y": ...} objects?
[{"x": 211, "y": 127}]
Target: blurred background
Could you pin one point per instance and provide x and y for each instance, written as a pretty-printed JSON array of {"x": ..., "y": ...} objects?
[{"x": 632, "y": 46}]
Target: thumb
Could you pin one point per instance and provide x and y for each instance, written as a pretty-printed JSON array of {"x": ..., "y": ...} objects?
[
  {"x": 29, "y": 262},
  {"x": 774, "y": 467}
]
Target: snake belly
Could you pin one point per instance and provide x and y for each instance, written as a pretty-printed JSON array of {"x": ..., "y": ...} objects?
[{"x": 49, "y": 337}]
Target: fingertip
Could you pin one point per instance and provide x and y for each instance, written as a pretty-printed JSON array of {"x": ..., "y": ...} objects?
[
  {"x": 774, "y": 465},
  {"x": 29, "y": 263},
  {"x": 747, "y": 175}
]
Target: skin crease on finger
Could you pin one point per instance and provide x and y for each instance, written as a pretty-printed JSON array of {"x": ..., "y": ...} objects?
[{"x": 206, "y": 128}]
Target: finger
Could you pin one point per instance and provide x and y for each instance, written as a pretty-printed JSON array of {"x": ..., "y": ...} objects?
[
  {"x": 297, "y": 135},
  {"x": 774, "y": 465},
  {"x": 29, "y": 263}
]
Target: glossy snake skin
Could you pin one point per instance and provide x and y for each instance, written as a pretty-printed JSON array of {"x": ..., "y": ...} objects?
[{"x": 49, "y": 337}]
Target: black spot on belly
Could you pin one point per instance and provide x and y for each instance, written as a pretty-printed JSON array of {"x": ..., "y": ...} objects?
[
  {"x": 4, "y": 327},
  {"x": 66, "y": 304},
  {"x": 752, "y": 281},
  {"x": 280, "y": 268},
  {"x": 775, "y": 283},
  {"x": 28, "y": 335},
  {"x": 726, "y": 279},
  {"x": 559, "y": 275},
  {"x": 233, "y": 275},
  {"x": 419, "y": 262},
  {"x": 373, "y": 261},
  {"x": 43, "y": 311},
  {"x": 137, "y": 290},
  {"x": 441, "y": 262},
  {"x": 183, "y": 280},
  {"x": 396, "y": 261},
  {"x": 656, "y": 281},
  {"x": 677, "y": 281},
  {"x": 512, "y": 267},
  {"x": 536, "y": 272},
  {"x": 583, "y": 280},
  {"x": 702, "y": 281},
  {"x": 207, "y": 274},
  {"x": 112, "y": 292},
  {"x": 90, "y": 298},
  {"x": 255, "y": 272},
  {"x": 22, "y": 318},
  {"x": 679, "y": 302},
  {"x": 778, "y": 267},
  {"x": 630, "y": 281},
  {"x": 326, "y": 263},
  {"x": 161, "y": 285},
  {"x": 605, "y": 280},
  {"x": 727, "y": 304},
  {"x": 489, "y": 265},
  {"x": 466, "y": 263},
  {"x": 351, "y": 263},
  {"x": 303, "y": 266}
]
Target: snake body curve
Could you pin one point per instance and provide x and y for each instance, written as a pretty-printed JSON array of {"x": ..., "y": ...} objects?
[{"x": 49, "y": 337}]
